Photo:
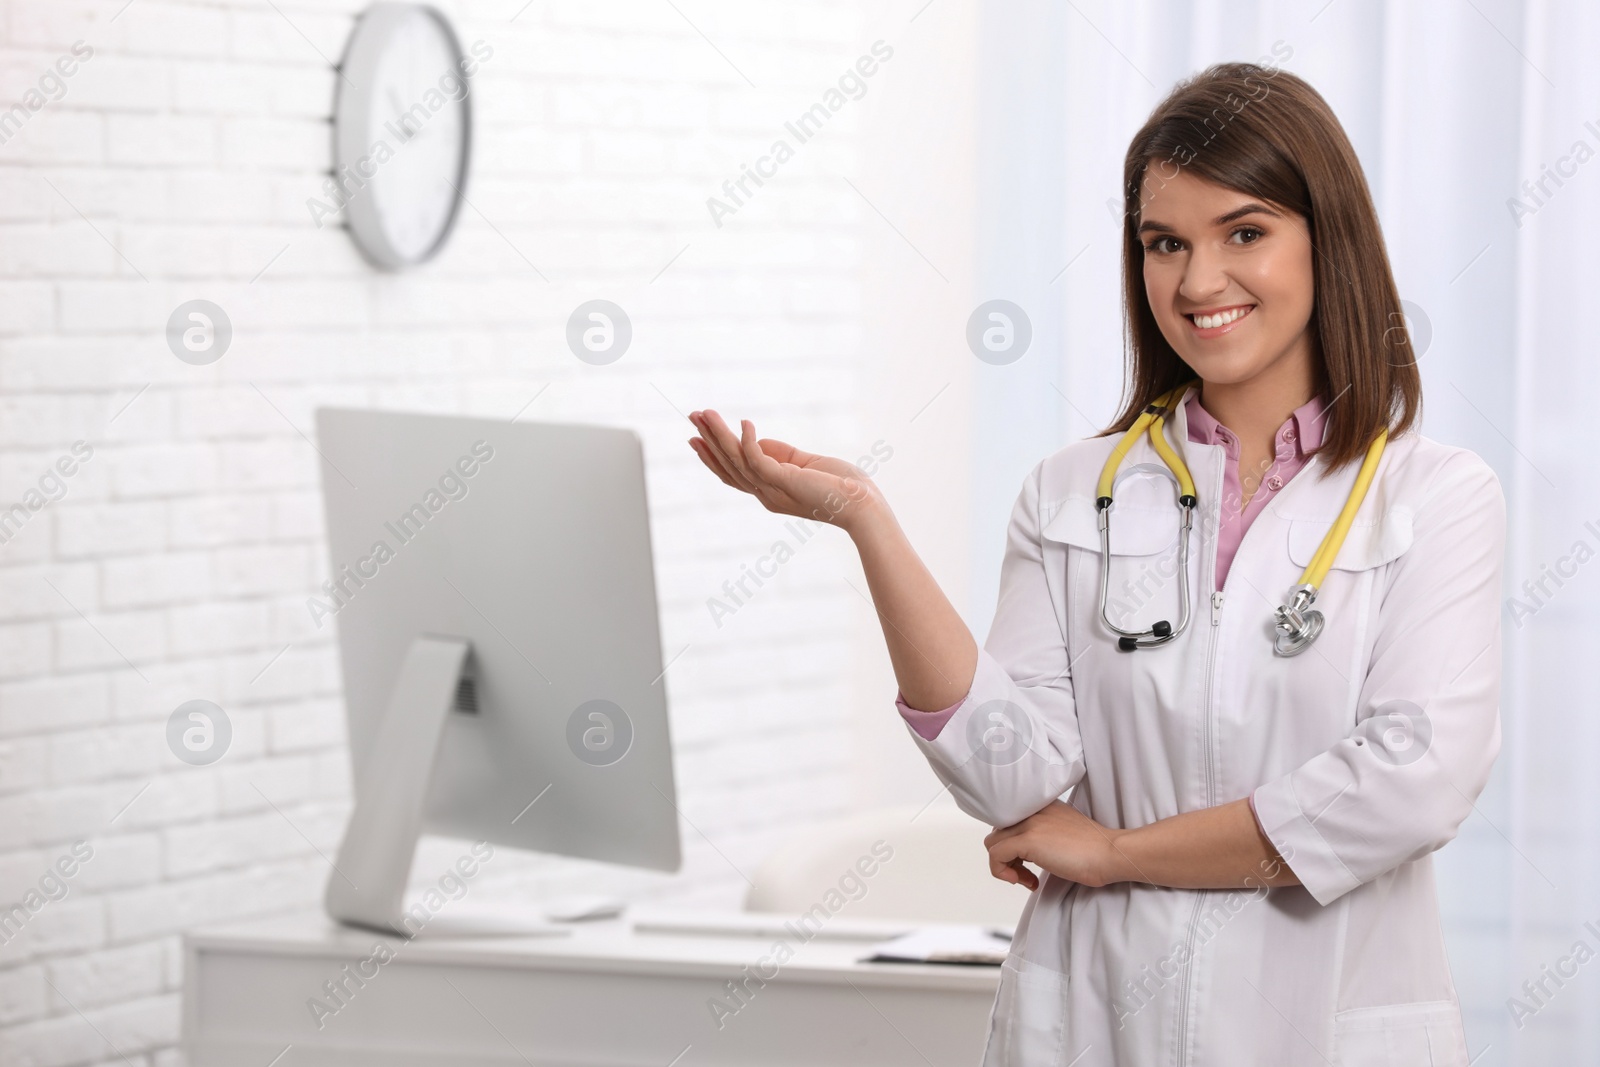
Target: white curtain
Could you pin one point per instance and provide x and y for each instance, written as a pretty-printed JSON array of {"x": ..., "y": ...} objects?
[{"x": 1478, "y": 124}]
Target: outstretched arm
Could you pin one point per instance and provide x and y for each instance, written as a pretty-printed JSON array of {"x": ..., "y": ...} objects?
[
  {"x": 1004, "y": 739},
  {"x": 934, "y": 654}
]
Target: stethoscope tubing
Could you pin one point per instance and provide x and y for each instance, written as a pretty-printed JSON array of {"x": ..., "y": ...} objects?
[{"x": 1296, "y": 625}]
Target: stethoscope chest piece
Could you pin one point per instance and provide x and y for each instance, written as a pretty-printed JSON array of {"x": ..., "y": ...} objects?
[{"x": 1297, "y": 623}]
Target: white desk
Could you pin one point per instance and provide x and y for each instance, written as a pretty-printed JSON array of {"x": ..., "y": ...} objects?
[{"x": 605, "y": 995}]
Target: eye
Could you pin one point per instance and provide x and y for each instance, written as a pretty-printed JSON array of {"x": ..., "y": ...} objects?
[{"x": 1255, "y": 232}]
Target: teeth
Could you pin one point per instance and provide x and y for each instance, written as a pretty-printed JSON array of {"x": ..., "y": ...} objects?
[{"x": 1206, "y": 322}]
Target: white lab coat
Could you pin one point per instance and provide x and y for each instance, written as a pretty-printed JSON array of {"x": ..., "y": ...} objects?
[{"x": 1347, "y": 969}]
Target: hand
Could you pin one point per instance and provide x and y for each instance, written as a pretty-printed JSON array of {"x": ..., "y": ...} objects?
[
  {"x": 785, "y": 479},
  {"x": 1060, "y": 839}
]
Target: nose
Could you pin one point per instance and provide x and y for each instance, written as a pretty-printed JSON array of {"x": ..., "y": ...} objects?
[{"x": 1204, "y": 276}]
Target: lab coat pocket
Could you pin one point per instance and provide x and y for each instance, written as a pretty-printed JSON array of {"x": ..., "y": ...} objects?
[
  {"x": 1143, "y": 565},
  {"x": 1029, "y": 1015},
  {"x": 1423, "y": 1033},
  {"x": 1366, "y": 544},
  {"x": 1138, "y": 528}
]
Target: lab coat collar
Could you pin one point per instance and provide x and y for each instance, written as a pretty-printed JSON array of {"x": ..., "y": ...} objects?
[
  {"x": 1311, "y": 500},
  {"x": 1195, "y": 454}
]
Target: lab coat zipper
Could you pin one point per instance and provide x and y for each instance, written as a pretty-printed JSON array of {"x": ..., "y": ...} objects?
[
  {"x": 1199, "y": 894},
  {"x": 1211, "y": 789}
]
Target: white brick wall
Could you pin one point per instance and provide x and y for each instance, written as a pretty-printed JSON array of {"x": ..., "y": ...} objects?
[{"x": 176, "y": 566}]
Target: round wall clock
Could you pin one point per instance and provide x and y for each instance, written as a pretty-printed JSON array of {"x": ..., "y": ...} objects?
[{"x": 402, "y": 131}]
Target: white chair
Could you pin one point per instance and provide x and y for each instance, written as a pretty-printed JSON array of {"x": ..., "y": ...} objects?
[{"x": 938, "y": 872}]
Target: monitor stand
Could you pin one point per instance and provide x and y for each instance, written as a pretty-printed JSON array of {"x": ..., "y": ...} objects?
[{"x": 367, "y": 885}]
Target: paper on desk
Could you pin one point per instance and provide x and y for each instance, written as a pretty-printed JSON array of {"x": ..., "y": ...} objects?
[{"x": 944, "y": 944}]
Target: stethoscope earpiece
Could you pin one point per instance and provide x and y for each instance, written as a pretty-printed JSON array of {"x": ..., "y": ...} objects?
[{"x": 1159, "y": 634}]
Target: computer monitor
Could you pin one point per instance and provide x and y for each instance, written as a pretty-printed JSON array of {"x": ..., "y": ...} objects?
[{"x": 492, "y": 588}]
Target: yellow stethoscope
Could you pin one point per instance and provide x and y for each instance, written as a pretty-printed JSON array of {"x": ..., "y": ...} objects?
[{"x": 1296, "y": 624}]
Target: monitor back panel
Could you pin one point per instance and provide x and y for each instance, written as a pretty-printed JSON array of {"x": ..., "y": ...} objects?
[{"x": 532, "y": 542}]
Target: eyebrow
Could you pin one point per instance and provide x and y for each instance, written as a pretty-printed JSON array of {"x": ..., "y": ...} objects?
[{"x": 1221, "y": 220}]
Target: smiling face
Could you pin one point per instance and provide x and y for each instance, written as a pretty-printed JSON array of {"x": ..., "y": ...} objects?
[{"x": 1229, "y": 278}]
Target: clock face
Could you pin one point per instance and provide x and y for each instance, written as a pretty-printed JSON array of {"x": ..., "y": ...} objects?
[{"x": 402, "y": 126}]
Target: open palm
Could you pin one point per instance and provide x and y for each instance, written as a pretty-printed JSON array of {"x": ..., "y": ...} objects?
[{"x": 787, "y": 480}]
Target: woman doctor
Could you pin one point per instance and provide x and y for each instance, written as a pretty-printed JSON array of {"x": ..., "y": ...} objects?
[{"x": 1242, "y": 874}]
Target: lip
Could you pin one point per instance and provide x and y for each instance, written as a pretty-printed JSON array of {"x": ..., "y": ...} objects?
[{"x": 1217, "y": 331}]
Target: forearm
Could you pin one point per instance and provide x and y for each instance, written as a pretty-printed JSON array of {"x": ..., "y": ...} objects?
[
  {"x": 1213, "y": 848},
  {"x": 934, "y": 654}
]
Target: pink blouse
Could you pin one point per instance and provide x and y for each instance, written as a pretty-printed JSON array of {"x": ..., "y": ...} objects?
[{"x": 1301, "y": 431}]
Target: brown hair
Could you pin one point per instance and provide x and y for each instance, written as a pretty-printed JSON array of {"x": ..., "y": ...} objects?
[{"x": 1267, "y": 133}]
